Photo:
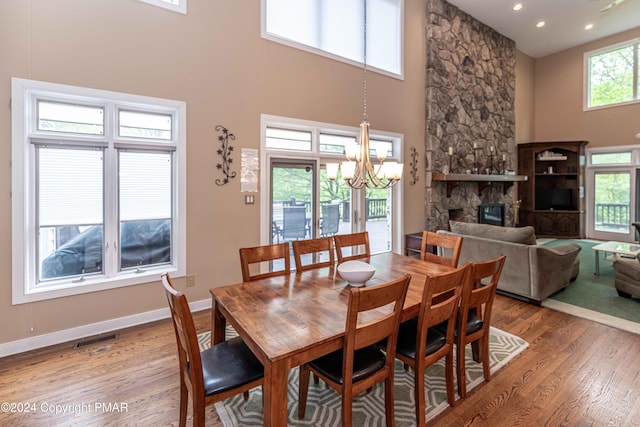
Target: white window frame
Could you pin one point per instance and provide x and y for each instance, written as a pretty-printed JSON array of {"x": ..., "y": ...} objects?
[
  {"x": 358, "y": 62},
  {"x": 586, "y": 95},
  {"x": 397, "y": 139},
  {"x": 25, "y": 94},
  {"x": 179, "y": 6}
]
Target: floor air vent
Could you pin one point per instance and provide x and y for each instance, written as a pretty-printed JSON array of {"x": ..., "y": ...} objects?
[{"x": 91, "y": 341}]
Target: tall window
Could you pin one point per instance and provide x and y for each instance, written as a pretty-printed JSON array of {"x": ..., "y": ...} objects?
[
  {"x": 335, "y": 28},
  {"x": 98, "y": 189},
  {"x": 612, "y": 75}
]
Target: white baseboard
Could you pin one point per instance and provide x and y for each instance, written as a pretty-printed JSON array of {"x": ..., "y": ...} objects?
[
  {"x": 58, "y": 337},
  {"x": 595, "y": 316}
]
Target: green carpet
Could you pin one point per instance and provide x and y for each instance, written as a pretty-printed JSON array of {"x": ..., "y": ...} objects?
[{"x": 592, "y": 292}]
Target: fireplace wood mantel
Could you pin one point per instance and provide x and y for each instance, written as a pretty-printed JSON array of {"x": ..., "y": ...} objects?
[{"x": 454, "y": 179}]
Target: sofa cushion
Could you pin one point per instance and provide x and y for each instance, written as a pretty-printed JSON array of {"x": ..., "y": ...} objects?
[{"x": 523, "y": 235}]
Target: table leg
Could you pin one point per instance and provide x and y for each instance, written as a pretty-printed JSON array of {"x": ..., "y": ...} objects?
[
  {"x": 597, "y": 272},
  {"x": 218, "y": 324},
  {"x": 274, "y": 389}
]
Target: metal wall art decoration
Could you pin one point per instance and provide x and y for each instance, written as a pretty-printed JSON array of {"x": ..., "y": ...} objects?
[
  {"x": 414, "y": 165},
  {"x": 225, "y": 152}
]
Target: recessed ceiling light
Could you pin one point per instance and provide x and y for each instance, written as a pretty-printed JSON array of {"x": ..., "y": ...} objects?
[
  {"x": 541, "y": 24},
  {"x": 588, "y": 26},
  {"x": 517, "y": 6}
]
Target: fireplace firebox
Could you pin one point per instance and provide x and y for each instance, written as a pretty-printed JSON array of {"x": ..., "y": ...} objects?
[{"x": 491, "y": 214}]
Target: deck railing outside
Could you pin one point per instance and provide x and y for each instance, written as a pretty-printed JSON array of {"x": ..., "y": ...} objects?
[{"x": 612, "y": 216}]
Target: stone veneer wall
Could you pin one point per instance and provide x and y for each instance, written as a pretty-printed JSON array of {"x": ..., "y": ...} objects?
[{"x": 470, "y": 92}]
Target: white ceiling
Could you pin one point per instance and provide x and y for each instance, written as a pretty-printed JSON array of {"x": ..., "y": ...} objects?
[{"x": 565, "y": 21}]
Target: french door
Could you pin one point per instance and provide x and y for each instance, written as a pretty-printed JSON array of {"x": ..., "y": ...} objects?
[
  {"x": 612, "y": 204},
  {"x": 304, "y": 204}
]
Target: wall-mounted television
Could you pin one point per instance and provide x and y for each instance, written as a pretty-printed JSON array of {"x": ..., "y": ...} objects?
[{"x": 554, "y": 198}]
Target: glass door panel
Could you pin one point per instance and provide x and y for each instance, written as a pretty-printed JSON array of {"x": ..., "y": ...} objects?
[
  {"x": 612, "y": 205},
  {"x": 292, "y": 200},
  {"x": 377, "y": 216}
]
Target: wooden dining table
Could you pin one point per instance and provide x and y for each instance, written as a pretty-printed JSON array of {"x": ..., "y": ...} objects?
[{"x": 290, "y": 320}]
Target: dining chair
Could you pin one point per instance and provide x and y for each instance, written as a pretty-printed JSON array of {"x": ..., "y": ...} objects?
[
  {"x": 441, "y": 242},
  {"x": 330, "y": 220},
  {"x": 474, "y": 317},
  {"x": 352, "y": 242},
  {"x": 317, "y": 248},
  {"x": 278, "y": 252},
  {"x": 360, "y": 363},
  {"x": 219, "y": 372},
  {"x": 421, "y": 344},
  {"x": 294, "y": 222}
]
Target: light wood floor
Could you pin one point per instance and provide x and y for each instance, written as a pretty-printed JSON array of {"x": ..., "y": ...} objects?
[{"x": 575, "y": 373}]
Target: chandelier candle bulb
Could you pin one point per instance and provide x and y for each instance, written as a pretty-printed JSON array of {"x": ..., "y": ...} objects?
[
  {"x": 332, "y": 170},
  {"x": 451, "y": 151}
]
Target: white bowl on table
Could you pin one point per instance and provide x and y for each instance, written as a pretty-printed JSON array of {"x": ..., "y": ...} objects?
[{"x": 356, "y": 273}]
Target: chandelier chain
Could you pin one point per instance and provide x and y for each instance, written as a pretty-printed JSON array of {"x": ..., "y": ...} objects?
[{"x": 364, "y": 80}]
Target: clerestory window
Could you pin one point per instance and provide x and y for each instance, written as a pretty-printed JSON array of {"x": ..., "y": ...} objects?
[
  {"x": 611, "y": 75},
  {"x": 98, "y": 191},
  {"x": 336, "y": 29},
  {"x": 179, "y": 6}
]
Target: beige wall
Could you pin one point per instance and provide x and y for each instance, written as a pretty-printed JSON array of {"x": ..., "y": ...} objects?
[
  {"x": 558, "y": 101},
  {"x": 214, "y": 59},
  {"x": 525, "y": 96}
]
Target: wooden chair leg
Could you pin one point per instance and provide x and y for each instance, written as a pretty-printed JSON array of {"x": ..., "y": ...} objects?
[
  {"x": 316, "y": 379},
  {"x": 198, "y": 410},
  {"x": 486, "y": 369},
  {"x": 419, "y": 396},
  {"x": 461, "y": 371},
  {"x": 184, "y": 403},
  {"x": 245, "y": 395},
  {"x": 303, "y": 389},
  {"x": 475, "y": 351},
  {"x": 389, "y": 409},
  {"x": 451, "y": 396},
  {"x": 347, "y": 409}
]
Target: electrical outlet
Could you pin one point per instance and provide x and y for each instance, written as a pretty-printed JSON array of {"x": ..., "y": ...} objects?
[{"x": 191, "y": 281}]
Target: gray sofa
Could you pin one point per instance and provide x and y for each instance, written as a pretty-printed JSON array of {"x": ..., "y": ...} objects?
[{"x": 530, "y": 271}]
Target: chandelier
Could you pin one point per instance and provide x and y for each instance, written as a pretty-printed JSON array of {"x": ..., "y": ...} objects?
[{"x": 358, "y": 171}]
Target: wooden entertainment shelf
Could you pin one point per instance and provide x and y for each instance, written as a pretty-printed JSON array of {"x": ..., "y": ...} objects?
[
  {"x": 453, "y": 180},
  {"x": 553, "y": 196}
]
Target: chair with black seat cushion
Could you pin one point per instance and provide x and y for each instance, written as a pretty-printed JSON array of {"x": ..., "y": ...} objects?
[
  {"x": 278, "y": 252},
  {"x": 444, "y": 243},
  {"x": 360, "y": 363},
  {"x": 474, "y": 317},
  {"x": 357, "y": 243},
  {"x": 317, "y": 248},
  {"x": 222, "y": 371},
  {"x": 421, "y": 343}
]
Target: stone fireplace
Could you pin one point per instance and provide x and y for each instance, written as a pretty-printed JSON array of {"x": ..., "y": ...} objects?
[{"x": 470, "y": 117}]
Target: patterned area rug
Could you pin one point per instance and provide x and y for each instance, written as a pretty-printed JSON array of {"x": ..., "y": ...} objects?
[{"x": 323, "y": 404}]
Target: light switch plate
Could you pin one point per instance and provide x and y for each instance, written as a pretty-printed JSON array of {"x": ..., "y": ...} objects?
[{"x": 249, "y": 199}]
